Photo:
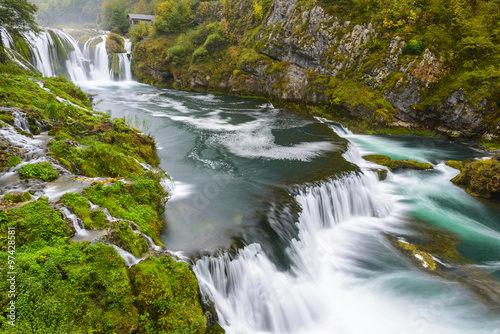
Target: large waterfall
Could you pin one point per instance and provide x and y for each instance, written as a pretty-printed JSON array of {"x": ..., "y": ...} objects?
[{"x": 54, "y": 52}]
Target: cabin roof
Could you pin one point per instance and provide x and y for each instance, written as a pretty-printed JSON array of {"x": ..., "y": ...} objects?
[{"x": 141, "y": 17}]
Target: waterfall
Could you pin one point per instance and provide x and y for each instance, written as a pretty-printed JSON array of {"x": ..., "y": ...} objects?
[
  {"x": 125, "y": 71},
  {"x": 54, "y": 52},
  {"x": 252, "y": 295},
  {"x": 20, "y": 121}
]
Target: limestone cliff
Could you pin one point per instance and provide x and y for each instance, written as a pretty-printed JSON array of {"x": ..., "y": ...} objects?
[{"x": 300, "y": 53}]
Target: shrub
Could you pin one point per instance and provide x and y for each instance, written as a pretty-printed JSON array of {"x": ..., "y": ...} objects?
[
  {"x": 215, "y": 42},
  {"x": 176, "y": 53},
  {"x": 43, "y": 171},
  {"x": 414, "y": 47},
  {"x": 200, "y": 54}
]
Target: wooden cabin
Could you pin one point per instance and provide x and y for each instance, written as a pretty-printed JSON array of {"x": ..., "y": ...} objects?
[{"x": 133, "y": 19}]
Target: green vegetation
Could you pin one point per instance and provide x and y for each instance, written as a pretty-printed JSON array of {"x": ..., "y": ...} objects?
[
  {"x": 80, "y": 206},
  {"x": 397, "y": 164},
  {"x": 141, "y": 201},
  {"x": 168, "y": 296},
  {"x": 17, "y": 196},
  {"x": 43, "y": 171},
  {"x": 478, "y": 177},
  {"x": 72, "y": 287},
  {"x": 13, "y": 161}
]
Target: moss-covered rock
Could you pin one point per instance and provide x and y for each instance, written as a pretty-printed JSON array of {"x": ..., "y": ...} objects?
[
  {"x": 480, "y": 177},
  {"x": 43, "y": 171},
  {"x": 397, "y": 164},
  {"x": 455, "y": 164},
  {"x": 125, "y": 238},
  {"x": 168, "y": 294},
  {"x": 17, "y": 196},
  {"x": 13, "y": 161},
  {"x": 115, "y": 44}
]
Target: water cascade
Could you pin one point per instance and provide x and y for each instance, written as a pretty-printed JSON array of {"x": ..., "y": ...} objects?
[{"x": 54, "y": 52}]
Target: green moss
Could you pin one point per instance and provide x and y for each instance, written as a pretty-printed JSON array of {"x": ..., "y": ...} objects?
[
  {"x": 43, "y": 171},
  {"x": 115, "y": 64},
  {"x": 115, "y": 44},
  {"x": 13, "y": 161},
  {"x": 142, "y": 201},
  {"x": 455, "y": 164},
  {"x": 34, "y": 222},
  {"x": 422, "y": 257},
  {"x": 17, "y": 196},
  {"x": 125, "y": 238},
  {"x": 81, "y": 207},
  {"x": 480, "y": 177},
  {"x": 397, "y": 164},
  {"x": 168, "y": 294}
]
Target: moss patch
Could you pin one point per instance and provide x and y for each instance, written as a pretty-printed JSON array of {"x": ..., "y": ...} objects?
[
  {"x": 397, "y": 164},
  {"x": 43, "y": 171},
  {"x": 480, "y": 177},
  {"x": 17, "y": 196},
  {"x": 168, "y": 293}
]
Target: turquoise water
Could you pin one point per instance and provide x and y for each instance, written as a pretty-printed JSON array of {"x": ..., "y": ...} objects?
[{"x": 288, "y": 229}]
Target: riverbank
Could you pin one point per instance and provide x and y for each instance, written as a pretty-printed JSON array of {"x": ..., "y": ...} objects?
[{"x": 82, "y": 204}]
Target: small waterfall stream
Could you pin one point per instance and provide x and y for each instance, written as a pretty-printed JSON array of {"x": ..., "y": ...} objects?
[{"x": 54, "y": 52}]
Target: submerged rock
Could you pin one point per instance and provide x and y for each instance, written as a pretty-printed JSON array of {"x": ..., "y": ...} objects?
[
  {"x": 479, "y": 177},
  {"x": 397, "y": 164}
]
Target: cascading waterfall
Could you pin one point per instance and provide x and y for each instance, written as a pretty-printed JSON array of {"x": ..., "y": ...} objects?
[
  {"x": 54, "y": 52},
  {"x": 252, "y": 296}
]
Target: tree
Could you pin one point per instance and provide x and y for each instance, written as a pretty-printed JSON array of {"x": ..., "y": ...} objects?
[{"x": 17, "y": 17}]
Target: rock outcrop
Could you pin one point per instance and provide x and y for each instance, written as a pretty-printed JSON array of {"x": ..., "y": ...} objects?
[{"x": 479, "y": 177}]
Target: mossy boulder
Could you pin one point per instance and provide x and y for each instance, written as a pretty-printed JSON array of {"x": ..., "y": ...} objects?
[
  {"x": 455, "y": 164},
  {"x": 43, "y": 171},
  {"x": 17, "y": 196},
  {"x": 115, "y": 44},
  {"x": 397, "y": 164},
  {"x": 167, "y": 291},
  {"x": 480, "y": 177},
  {"x": 215, "y": 328}
]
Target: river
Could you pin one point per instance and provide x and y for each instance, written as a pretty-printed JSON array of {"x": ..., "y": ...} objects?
[{"x": 289, "y": 230}]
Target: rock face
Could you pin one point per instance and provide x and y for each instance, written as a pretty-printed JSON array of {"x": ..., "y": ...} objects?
[
  {"x": 303, "y": 54},
  {"x": 479, "y": 177}
]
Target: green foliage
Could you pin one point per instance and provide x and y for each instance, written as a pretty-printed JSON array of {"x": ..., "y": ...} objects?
[
  {"x": 168, "y": 296},
  {"x": 115, "y": 44},
  {"x": 81, "y": 207},
  {"x": 13, "y": 161},
  {"x": 142, "y": 201},
  {"x": 17, "y": 197},
  {"x": 215, "y": 42},
  {"x": 114, "y": 16},
  {"x": 200, "y": 54},
  {"x": 173, "y": 16},
  {"x": 414, "y": 47},
  {"x": 17, "y": 17},
  {"x": 176, "y": 54},
  {"x": 139, "y": 32},
  {"x": 43, "y": 171},
  {"x": 35, "y": 222},
  {"x": 125, "y": 238}
]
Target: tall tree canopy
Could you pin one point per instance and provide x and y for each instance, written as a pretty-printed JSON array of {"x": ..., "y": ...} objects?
[{"x": 16, "y": 17}]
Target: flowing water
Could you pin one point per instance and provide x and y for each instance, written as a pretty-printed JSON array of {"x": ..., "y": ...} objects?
[{"x": 289, "y": 230}]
